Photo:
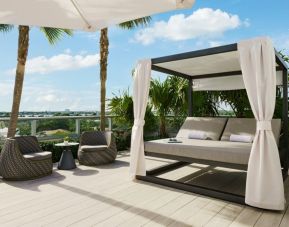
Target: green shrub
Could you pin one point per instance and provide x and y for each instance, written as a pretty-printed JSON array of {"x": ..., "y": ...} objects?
[
  {"x": 89, "y": 125},
  {"x": 57, "y": 151},
  {"x": 122, "y": 139},
  {"x": 24, "y": 128},
  {"x": 53, "y": 124},
  {"x": 122, "y": 106}
]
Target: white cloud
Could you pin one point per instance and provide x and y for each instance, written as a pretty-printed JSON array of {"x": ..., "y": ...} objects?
[
  {"x": 205, "y": 22},
  {"x": 6, "y": 88},
  {"x": 61, "y": 62},
  {"x": 41, "y": 96},
  {"x": 67, "y": 51},
  {"x": 93, "y": 36},
  {"x": 46, "y": 98},
  {"x": 247, "y": 22},
  {"x": 215, "y": 43}
]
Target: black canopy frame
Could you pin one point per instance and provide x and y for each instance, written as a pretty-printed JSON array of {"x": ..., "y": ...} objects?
[{"x": 152, "y": 175}]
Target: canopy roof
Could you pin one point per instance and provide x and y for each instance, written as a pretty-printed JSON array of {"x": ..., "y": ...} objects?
[
  {"x": 215, "y": 68},
  {"x": 82, "y": 14}
]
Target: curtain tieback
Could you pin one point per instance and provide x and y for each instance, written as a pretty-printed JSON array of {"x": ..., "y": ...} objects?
[
  {"x": 139, "y": 123},
  {"x": 264, "y": 126}
]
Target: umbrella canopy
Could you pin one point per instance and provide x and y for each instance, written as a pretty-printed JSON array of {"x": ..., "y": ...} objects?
[{"x": 87, "y": 15}]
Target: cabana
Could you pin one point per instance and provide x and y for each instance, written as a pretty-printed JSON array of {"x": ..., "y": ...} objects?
[{"x": 253, "y": 65}]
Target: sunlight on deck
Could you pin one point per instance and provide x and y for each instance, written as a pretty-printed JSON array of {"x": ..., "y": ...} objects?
[{"x": 104, "y": 196}]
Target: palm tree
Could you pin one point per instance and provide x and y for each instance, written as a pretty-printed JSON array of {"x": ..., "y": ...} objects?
[
  {"x": 52, "y": 35},
  {"x": 161, "y": 101},
  {"x": 178, "y": 91},
  {"x": 238, "y": 101},
  {"x": 122, "y": 106},
  {"x": 5, "y": 27},
  {"x": 104, "y": 46}
]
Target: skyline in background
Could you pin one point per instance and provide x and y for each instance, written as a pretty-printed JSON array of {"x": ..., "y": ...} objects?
[{"x": 66, "y": 75}]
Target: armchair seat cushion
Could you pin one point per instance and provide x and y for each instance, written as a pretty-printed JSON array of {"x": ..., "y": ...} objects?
[
  {"x": 38, "y": 155},
  {"x": 93, "y": 148}
]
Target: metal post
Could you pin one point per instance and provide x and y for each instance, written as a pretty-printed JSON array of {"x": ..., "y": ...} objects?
[
  {"x": 285, "y": 114},
  {"x": 33, "y": 127},
  {"x": 77, "y": 126},
  {"x": 109, "y": 123},
  {"x": 190, "y": 98}
]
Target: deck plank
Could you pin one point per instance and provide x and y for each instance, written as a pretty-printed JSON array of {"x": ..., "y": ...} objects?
[
  {"x": 162, "y": 217},
  {"x": 202, "y": 217},
  {"x": 247, "y": 218},
  {"x": 270, "y": 218},
  {"x": 285, "y": 219},
  {"x": 105, "y": 196},
  {"x": 226, "y": 216}
]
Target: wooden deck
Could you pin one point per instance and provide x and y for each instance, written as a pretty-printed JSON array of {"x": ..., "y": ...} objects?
[{"x": 105, "y": 196}]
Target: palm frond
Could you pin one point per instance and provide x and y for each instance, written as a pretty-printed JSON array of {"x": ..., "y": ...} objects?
[
  {"x": 284, "y": 56},
  {"x": 144, "y": 21},
  {"x": 6, "y": 27},
  {"x": 53, "y": 35},
  {"x": 159, "y": 96}
]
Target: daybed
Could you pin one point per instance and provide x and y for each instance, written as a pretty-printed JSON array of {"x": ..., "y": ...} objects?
[
  {"x": 217, "y": 147},
  {"x": 253, "y": 65}
]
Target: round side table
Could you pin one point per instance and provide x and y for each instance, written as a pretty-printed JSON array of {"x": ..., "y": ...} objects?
[{"x": 66, "y": 161}]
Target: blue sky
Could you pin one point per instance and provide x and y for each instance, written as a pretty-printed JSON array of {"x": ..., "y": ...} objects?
[{"x": 67, "y": 75}]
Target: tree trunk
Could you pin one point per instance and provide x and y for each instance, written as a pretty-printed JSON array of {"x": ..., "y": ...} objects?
[
  {"x": 23, "y": 44},
  {"x": 163, "y": 130},
  {"x": 104, "y": 43}
]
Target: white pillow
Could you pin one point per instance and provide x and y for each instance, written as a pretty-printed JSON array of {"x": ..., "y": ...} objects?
[
  {"x": 241, "y": 138},
  {"x": 195, "y": 134}
]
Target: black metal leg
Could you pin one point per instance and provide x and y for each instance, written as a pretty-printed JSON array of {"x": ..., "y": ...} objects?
[{"x": 66, "y": 161}]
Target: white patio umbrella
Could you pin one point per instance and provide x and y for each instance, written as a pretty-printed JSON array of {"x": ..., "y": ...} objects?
[{"x": 87, "y": 15}]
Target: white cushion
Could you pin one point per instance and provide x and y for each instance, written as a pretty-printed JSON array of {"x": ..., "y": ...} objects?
[
  {"x": 196, "y": 134},
  {"x": 93, "y": 148},
  {"x": 241, "y": 138},
  {"x": 38, "y": 155}
]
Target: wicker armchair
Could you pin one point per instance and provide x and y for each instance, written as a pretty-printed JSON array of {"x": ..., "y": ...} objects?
[
  {"x": 96, "y": 148},
  {"x": 23, "y": 159}
]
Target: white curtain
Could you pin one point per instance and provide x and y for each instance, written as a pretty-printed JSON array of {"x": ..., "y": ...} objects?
[
  {"x": 142, "y": 77},
  {"x": 264, "y": 187}
]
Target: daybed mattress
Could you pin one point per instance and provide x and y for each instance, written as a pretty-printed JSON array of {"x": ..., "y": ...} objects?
[{"x": 221, "y": 151}]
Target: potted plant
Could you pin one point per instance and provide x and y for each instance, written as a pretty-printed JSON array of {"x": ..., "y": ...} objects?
[{"x": 66, "y": 140}]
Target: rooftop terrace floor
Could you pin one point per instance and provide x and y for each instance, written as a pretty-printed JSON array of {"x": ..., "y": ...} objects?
[{"x": 105, "y": 196}]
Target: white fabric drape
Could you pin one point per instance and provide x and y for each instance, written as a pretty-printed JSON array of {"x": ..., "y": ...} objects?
[
  {"x": 226, "y": 83},
  {"x": 89, "y": 15},
  {"x": 264, "y": 187},
  {"x": 142, "y": 77}
]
